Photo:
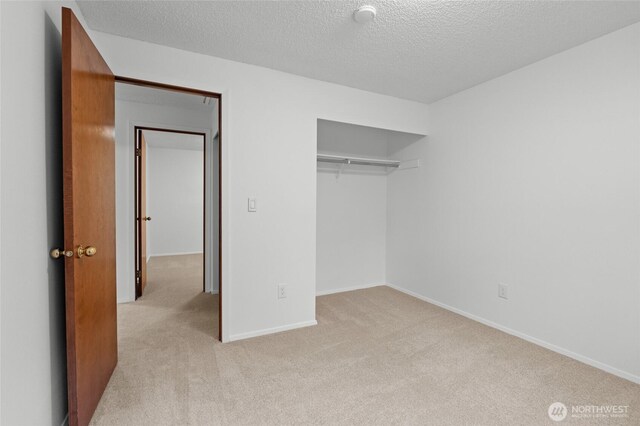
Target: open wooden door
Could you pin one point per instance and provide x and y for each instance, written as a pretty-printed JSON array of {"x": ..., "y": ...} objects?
[
  {"x": 141, "y": 213},
  {"x": 88, "y": 114}
]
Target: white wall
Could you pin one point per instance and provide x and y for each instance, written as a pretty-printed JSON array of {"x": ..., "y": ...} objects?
[
  {"x": 129, "y": 114},
  {"x": 33, "y": 351},
  {"x": 351, "y": 218},
  {"x": 533, "y": 180},
  {"x": 269, "y": 149},
  {"x": 174, "y": 201}
]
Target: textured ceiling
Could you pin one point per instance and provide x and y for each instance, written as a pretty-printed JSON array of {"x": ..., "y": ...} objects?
[
  {"x": 416, "y": 50},
  {"x": 167, "y": 140}
]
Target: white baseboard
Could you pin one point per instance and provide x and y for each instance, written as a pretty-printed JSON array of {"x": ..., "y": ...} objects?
[
  {"x": 585, "y": 360},
  {"x": 176, "y": 254},
  {"x": 343, "y": 289},
  {"x": 264, "y": 331}
]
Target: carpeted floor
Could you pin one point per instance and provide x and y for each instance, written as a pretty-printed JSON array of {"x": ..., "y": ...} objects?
[{"x": 377, "y": 356}]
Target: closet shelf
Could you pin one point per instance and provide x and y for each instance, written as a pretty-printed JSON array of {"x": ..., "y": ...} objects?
[{"x": 338, "y": 159}]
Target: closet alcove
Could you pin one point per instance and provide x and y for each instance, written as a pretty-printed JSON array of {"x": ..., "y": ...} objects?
[{"x": 361, "y": 172}]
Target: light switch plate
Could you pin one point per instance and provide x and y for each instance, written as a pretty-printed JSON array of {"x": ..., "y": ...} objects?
[{"x": 252, "y": 205}]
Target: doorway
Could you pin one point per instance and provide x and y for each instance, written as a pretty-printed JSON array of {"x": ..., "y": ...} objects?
[
  {"x": 94, "y": 221},
  {"x": 179, "y": 162},
  {"x": 147, "y": 110}
]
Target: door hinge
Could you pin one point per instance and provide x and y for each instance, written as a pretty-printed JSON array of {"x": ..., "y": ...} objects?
[
  {"x": 138, "y": 152},
  {"x": 138, "y": 275}
]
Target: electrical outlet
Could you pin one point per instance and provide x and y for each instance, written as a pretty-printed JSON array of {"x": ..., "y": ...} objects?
[
  {"x": 502, "y": 291},
  {"x": 282, "y": 291}
]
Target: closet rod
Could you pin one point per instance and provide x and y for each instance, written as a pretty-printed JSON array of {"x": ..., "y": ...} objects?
[{"x": 358, "y": 161}]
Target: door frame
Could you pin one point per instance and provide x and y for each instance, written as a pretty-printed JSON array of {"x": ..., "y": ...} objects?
[
  {"x": 138, "y": 129},
  {"x": 218, "y": 96}
]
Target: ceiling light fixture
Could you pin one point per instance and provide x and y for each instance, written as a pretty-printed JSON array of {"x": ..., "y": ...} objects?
[{"x": 364, "y": 14}]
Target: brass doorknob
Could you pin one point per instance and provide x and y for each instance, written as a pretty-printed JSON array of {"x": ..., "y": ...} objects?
[
  {"x": 88, "y": 251},
  {"x": 56, "y": 253},
  {"x": 146, "y": 219}
]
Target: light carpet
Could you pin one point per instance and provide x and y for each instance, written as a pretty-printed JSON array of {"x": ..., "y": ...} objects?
[{"x": 377, "y": 356}]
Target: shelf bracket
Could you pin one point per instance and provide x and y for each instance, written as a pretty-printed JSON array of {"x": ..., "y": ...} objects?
[{"x": 341, "y": 168}]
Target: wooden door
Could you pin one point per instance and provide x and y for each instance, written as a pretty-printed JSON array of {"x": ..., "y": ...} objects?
[
  {"x": 88, "y": 114},
  {"x": 141, "y": 212}
]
